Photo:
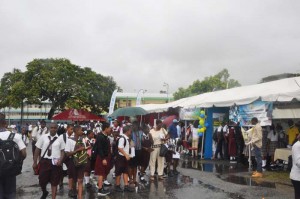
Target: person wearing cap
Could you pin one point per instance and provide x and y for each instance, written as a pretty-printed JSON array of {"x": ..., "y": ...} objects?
[{"x": 8, "y": 183}]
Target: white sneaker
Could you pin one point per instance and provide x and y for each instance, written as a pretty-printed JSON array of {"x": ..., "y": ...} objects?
[
  {"x": 264, "y": 163},
  {"x": 106, "y": 183}
]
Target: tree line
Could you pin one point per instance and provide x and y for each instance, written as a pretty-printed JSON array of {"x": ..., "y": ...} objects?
[{"x": 58, "y": 81}]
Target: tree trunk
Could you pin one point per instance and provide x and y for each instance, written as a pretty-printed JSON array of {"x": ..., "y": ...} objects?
[
  {"x": 51, "y": 112},
  {"x": 22, "y": 112}
]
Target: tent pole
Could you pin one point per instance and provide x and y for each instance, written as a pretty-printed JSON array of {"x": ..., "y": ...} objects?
[
  {"x": 202, "y": 145},
  {"x": 185, "y": 127}
]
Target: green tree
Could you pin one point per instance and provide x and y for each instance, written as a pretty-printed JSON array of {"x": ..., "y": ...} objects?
[
  {"x": 61, "y": 83},
  {"x": 12, "y": 89},
  {"x": 219, "y": 81}
]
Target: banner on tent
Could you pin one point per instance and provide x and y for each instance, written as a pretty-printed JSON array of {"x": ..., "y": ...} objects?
[
  {"x": 218, "y": 118},
  {"x": 188, "y": 113},
  {"x": 259, "y": 109}
]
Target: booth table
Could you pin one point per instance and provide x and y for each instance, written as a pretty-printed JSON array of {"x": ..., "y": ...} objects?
[{"x": 282, "y": 154}]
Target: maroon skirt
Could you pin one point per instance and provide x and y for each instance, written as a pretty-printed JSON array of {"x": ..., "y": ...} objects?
[{"x": 100, "y": 168}]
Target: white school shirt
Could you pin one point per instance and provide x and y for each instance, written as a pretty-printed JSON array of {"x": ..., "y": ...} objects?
[
  {"x": 36, "y": 134},
  {"x": 272, "y": 137},
  {"x": 56, "y": 147},
  {"x": 25, "y": 139},
  {"x": 70, "y": 145},
  {"x": 121, "y": 144},
  {"x": 295, "y": 171},
  {"x": 17, "y": 139}
]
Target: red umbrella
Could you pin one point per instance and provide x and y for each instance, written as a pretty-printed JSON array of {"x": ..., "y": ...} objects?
[
  {"x": 77, "y": 115},
  {"x": 169, "y": 120}
]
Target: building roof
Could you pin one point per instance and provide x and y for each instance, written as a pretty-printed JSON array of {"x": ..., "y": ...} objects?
[{"x": 145, "y": 95}]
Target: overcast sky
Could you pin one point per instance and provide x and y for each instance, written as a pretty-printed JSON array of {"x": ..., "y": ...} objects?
[{"x": 143, "y": 44}]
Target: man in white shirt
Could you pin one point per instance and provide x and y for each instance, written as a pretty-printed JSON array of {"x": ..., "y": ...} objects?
[
  {"x": 123, "y": 156},
  {"x": 69, "y": 134},
  {"x": 37, "y": 132},
  {"x": 29, "y": 128},
  {"x": 71, "y": 151},
  {"x": 8, "y": 183},
  {"x": 226, "y": 139},
  {"x": 51, "y": 150}
]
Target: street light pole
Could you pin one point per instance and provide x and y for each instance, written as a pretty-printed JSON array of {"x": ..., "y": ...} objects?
[{"x": 167, "y": 85}]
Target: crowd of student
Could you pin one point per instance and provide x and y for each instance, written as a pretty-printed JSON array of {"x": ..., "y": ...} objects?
[
  {"x": 75, "y": 151},
  {"x": 229, "y": 141}
]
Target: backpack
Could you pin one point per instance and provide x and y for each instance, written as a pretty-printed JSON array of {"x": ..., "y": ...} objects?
[
  {"x": 61, "y": 130},
  {"x": 81, "y": 157},
  {"x": 215, "y": 135},
  {"x": 115, "y": 147},
  {"x": 10, "y": 157},
  {"x": 220, "y": 134}
]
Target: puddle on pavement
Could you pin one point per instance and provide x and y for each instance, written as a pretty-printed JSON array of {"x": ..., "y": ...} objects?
[
  {"x": 248, "y": 181},
  {"x": 214, "y": 167}
]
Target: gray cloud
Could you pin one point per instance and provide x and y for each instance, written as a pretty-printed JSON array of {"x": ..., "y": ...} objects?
[{"x": 143, "y": 44}]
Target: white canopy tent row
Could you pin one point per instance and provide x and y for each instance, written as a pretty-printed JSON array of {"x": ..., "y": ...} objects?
[{"x": 284, "y": 90}]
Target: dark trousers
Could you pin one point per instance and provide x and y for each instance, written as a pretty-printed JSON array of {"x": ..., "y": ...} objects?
[
  {"x": 219, "y": 149},
  {"x": 225, "y": 143},
  {"x": 8, "y": 187},
  {"x": 296, "y": 185},
  {"x": 258, "y": 158},
  {"x": 33, "y": 147}
]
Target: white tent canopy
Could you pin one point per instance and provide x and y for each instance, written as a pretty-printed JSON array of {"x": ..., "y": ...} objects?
[{"x": 283, "y": 90}]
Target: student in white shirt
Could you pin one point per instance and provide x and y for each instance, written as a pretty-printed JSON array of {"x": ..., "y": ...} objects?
[
  {"x": 8, "y": 183},
  {"x": 24, "y": 136},
  {"x": 69, "y": 134},
  {"x": 121, "y": 166},
  {"x": 37, "y": 132},
  {"x": 273, "y": 140},
  {"x": 51, "y": 162},
  {"x": 71, "y": 151}
]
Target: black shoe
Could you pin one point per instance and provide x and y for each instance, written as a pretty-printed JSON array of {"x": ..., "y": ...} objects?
[
  {"x": 103, "y": 192},
  {"x": 175, "y": 172},
  {"x": 61, "y": 187},
  {"x": 118, "y": 189},
  {"x": 128, "y": 189},
  {"x": 88, "y": 185},
  {"x": 45, "y": 194},
  {"x": 72, "y": 193},
  {"x": 170, "y": 174}
]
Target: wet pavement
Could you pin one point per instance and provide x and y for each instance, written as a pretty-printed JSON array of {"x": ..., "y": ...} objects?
[{"x": 197, "y": 179}]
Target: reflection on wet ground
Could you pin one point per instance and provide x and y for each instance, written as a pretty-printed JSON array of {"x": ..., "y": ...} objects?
[
  {"x": 157, "y": 189},
  {"x": 226, "y": 171},
  {"x": 217, "y": 167},
  {"x": 180, "y": 186},
  {"x": 248, "y": 181}
]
